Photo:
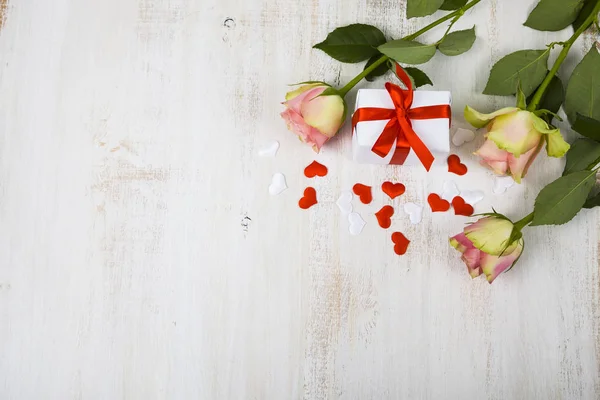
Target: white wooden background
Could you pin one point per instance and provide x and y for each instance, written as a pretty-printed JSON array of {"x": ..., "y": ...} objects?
[{"x": 141, "y": 256}]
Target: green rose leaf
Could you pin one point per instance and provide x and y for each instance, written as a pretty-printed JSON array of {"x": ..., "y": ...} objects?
[
  {"x": 582, "y": 153},
  {"x": 408, "y": 52},
  {"x": 592, "y": 202},
  {"x": 352, "y": 43},
  {"x": 554, "y": 15},
  {"x": 418, "y": 77},
  {"x": 587, "y": 127},
  {"x": 377, "y": 72},
  {"x": 560, "y": 201},
  {"x": 528, "y": 67},
  {"x": 587, "y": 9},
  {"x": 552, "y": 99},
  {"x": 583, "y": 90},
  {"x": 457, "y": 42},
  {"x": 421, "y": 8},
  {"x": 450, "y": 5}
]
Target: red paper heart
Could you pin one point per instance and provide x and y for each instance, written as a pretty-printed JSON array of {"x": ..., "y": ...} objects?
[
  {"x": 309, "y": 199},
  {"x": 455, "y": 166},
  {"x": 461, "y": 207},
  {"x": 363, "y": 192},
  {"x": 384, "y": 216},
  {"x": 393, "y": 189},
  {"x": 315, "y": 169},
  {"x": 400, "y": 243},
  {"x": 437, "y": 204}
]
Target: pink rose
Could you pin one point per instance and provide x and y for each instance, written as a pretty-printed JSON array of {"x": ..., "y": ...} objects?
[
  {"x": 514, "y": 139},
  {"x": 490, "y": 246},
  {"x": 314, "y": 118}
]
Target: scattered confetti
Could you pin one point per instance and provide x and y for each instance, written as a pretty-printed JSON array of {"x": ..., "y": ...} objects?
[
  {"x": 278, "y": 184},
  {"x": 455, "y": 166},
  {"x": 462, "y": 136},
  {"x": 502, "y": 183},
  {"x": 309, "y": 199},
  {"x": 363, "y": 192},
  {"x": 393, "y": 189},
  {"x": 437, "y": 204},
  {"x": 270, "y": 149},
  {"x": 415, "y": 212},
  {"x": 344, "y": 202},
  {"x": 356, "y": 223},
  {"x": 315, "y": 169},
  {"x": 384, "y": 216},
  {"x": 472, "y": 197},
  {"x": 450, "y": 191},
  {"x": 400, "y": 243},
  {"x": 462, "y": 208}
]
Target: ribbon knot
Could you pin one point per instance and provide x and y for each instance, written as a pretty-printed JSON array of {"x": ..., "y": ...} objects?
[{"x": 399, "y": 128}]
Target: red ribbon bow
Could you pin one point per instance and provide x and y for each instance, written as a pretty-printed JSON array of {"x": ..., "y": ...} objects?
[{"x": 399, "y": 128}]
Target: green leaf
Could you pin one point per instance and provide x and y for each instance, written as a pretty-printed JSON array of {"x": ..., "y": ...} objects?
[
  {"x": 421, "y": 8},
  {"x": 560, "y": 201},
  {"x": 592, "y": 202},
  {"x": 418, "y": 77},
  {"x": 587, "y": 127},
  {"x": 583, "y": 90},
  {"x": 458, "y": 42},
  {"x": 521, "y": 100},
  {"x": 582, "y": 153},
  {"x": 352, "y": 43},
  {"x": 528, "y": 67},
  {"x": 587, "y": 9},
  {"x": 408, "y": 52},
  {"x": 450, "y": 5},
  {"x": 553, "y": 96},
  {"x": 377, "y": 72},
  {"x": 554, "y": 15}
]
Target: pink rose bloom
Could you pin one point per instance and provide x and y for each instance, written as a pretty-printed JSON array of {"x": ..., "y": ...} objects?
[
  {"x": 314, "y": 118},
  {"x": 489, "y": 246},
  {"x": 514, "y": 139}
]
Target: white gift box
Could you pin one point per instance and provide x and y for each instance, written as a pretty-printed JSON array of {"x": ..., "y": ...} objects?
[{"x": 435, "y": 133}]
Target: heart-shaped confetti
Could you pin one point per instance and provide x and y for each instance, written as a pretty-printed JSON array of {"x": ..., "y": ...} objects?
[
  {"x": 462, "y": 208},
  {"x": 309, "y": 199},
  {"x": 462, "y": 136},
  {"x": 437, "y": 204},
  {"x": 356, "y": 223},
  {"x": 344, "y": 202},
  {"x": 455, "y": 166},
  {"x": 400, "y": 243},
  {"x": 450, "y": 191},
  {"x": 393, "y": 189},
  {"x": 472, "y": 197},
  {"x": 315, "y": 169},
  {"x": 414, "y": 211},
  {"x": 270, "y": 149},
  {"x": 278, "y": 184},
  {"x": 363, "y": 192},
  {"x": 384, "y": 216},
  {"x": 502, "y": 183}
]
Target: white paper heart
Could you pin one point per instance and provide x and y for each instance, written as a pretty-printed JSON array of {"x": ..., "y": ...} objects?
[
  {"x": 472, "y": 197},
  {"x": 502, "y": 183},
  {"x": 345, "y": 202},
  {"x": 356, "y": 223},
  {"x": 450, "y": 190},
  {"x": 462, "y": 136},
  {"x": 414, "y": 211},
  {"x": 270, "y": 149},
  {"x": 278, "y": 184}
]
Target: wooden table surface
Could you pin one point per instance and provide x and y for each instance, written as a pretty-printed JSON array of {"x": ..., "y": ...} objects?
[{"x": 141, "y": 256}]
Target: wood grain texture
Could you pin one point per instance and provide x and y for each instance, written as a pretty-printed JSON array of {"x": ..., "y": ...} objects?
[{"x": 141, "y": 256}]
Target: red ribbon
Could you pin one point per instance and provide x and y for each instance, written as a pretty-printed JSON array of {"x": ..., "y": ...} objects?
[{"x": 399, "y": 128}]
